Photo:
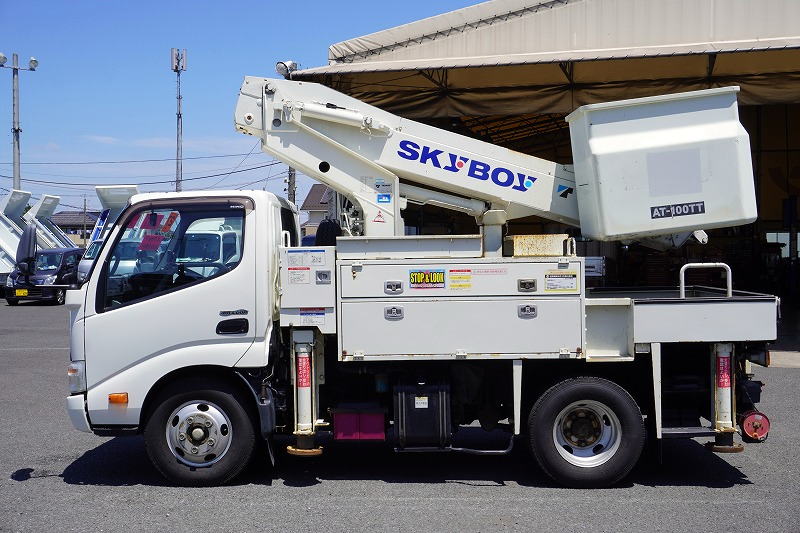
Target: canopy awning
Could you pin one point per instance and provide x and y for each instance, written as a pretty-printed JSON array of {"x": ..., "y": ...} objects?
[{"x": 512, "y": 57}]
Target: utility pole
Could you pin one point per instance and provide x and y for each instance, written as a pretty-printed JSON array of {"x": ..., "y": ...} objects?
[
  {"x": 84, "y": 221},
  {"x": 292, "y": 187},
  {"x": 15, "y": 129},
  {"x": 178, "y": 63}
]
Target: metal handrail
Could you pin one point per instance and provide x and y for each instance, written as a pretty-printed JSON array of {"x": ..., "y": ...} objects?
[{"x": 687, "y": 266}]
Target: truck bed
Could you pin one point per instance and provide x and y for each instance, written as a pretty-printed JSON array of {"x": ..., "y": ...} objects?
[{"x": 617, "y": 318}]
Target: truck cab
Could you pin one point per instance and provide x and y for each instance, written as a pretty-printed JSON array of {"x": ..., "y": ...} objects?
[{"x": 176, "y": 310}]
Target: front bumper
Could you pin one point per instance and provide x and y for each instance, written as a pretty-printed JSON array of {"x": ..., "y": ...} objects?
[
  {"x": 76, "y": 408},
  {"x": 38, "y": 292}
]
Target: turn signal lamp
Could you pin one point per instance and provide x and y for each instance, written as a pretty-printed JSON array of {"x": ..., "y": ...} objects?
[{"x": 119, "y": 398}]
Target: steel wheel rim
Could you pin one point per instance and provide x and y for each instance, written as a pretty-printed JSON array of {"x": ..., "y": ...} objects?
[
  {"x": 198, "y": 433},
  {"x": 587, "y": 433}
]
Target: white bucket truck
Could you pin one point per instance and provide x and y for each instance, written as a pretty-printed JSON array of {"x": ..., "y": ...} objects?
[{"x": 383, "y": 337}]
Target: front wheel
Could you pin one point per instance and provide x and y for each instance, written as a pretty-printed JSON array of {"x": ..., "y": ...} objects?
[
  {"x": 199, "y": 434},
  {"x": 12, "y": 301},
  {"x": 586, "y": 432}
]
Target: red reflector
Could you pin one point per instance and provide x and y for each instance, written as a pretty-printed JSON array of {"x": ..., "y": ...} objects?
[{"x": 755, "y": 425}]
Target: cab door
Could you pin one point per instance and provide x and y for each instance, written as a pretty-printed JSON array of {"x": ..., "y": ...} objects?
[{"x": 160, "y": 305}]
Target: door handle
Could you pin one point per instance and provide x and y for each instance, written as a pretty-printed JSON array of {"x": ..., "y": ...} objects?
[{"x": 233, "y": 326}]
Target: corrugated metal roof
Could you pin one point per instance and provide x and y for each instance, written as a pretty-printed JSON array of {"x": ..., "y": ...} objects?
[{"x": 508, "y": 32}]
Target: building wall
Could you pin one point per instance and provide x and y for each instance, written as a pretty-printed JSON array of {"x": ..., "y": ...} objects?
[{"x": 314, "y": 218}]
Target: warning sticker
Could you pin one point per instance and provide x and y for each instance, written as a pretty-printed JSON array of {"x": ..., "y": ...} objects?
[
  {"x": 303, "y": 371},
  {"x": 420, "y": 402},
  {"x": 299, "y": 275},
  {"x": 295, "y": 259},
  {"x": 561, "y": 281},
  {"x": 426, "y": 279},
  {"x": 723, "y": 372},
  {"x": 305, "y": 257},
  {"x": 489, "y": 271},
  {"x": 460, "y": 279},
  {"x": 312, "y": 316}
]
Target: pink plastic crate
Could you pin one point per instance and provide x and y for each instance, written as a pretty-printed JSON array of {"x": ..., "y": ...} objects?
[{"x": 349, "y": 424}]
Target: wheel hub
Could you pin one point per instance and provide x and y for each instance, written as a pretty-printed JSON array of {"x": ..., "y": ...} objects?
[
  {"x": 582, "y": 427},
  {"x": 587, "y": 433},
  {"x": 198, "y": 433}
]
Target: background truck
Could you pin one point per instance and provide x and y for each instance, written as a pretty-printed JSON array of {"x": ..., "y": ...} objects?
[{"x": 377, "y": 336}]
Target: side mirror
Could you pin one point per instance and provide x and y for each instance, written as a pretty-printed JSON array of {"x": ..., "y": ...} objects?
[
  {"x": 26, "y": 249},
  {"x": 24, "y": 268}
]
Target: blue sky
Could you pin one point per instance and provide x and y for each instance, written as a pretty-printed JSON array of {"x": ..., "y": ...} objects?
[{"x": 104, "y": 91}]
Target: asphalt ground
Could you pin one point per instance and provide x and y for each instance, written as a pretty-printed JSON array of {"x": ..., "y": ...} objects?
[{"x": 54, "y": 478}]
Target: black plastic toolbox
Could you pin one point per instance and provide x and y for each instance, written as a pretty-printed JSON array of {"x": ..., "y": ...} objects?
[{"x": 422, "y": 415}]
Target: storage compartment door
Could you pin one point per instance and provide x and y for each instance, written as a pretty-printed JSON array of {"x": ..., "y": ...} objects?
[{"x": 447, "y": 327}]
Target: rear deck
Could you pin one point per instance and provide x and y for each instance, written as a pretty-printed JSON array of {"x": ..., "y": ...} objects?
[{"x": 619, "y": 318}]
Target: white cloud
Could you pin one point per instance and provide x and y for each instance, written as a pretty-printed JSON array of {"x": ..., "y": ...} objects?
[
  {"x": 155, "y": 142},
  {"x": 102, "y": 139},
  {"x": 209, "y": 145}
]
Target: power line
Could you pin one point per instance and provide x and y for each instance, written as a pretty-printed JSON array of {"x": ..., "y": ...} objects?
[
  {"x": 238, "y": 186},
  {"x": 135, "y": 176},
  {"x": 39, "y": 198},
  {"x": 237, "y": 166},
  {"x": 125, "y": 160},
  {"x": 47, "y": 182}
]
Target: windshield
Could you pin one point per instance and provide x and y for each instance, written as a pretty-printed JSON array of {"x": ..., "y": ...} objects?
[
  {"x": 46, "y": 262},
  {"x": 199, "y": 247},
  {"x": 125, "y": 251},
  {"x": 91, "y": 251}
]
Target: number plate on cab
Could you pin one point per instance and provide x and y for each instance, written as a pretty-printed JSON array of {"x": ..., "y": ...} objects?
[{"x": 21, "y": 292}]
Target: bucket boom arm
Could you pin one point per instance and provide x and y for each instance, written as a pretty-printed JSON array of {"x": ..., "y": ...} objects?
[
  {"x": 380, "y": 161},
  {"x": 654, "y": 170}
]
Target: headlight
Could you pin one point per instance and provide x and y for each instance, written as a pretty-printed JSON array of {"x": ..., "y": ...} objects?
[
  {"x": 9, "y": 281},
  {"x": 49, "y": 280},
  {"x": 76, "y": 375}
]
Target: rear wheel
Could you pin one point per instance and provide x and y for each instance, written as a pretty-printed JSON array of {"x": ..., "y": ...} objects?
[
  {"x": 586, "y": 432},
  {"x": 12, "y": 301},
  {"x": 199, "y": 433}
]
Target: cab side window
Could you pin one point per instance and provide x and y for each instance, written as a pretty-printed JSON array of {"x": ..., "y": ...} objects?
[
  {"x": 71, "y": 260},
  {"x": 229, "y": 247},
  {"x": 165, "y": 249},
  {"x": 288, "y": 224}
]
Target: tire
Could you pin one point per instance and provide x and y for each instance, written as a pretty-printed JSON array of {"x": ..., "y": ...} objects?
[
  {"x": 199, "y": 433},
  {"x": 59, "y": 297},
  {"x": 586, "y": 432},
  {"x": 12, "y": 301}
]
